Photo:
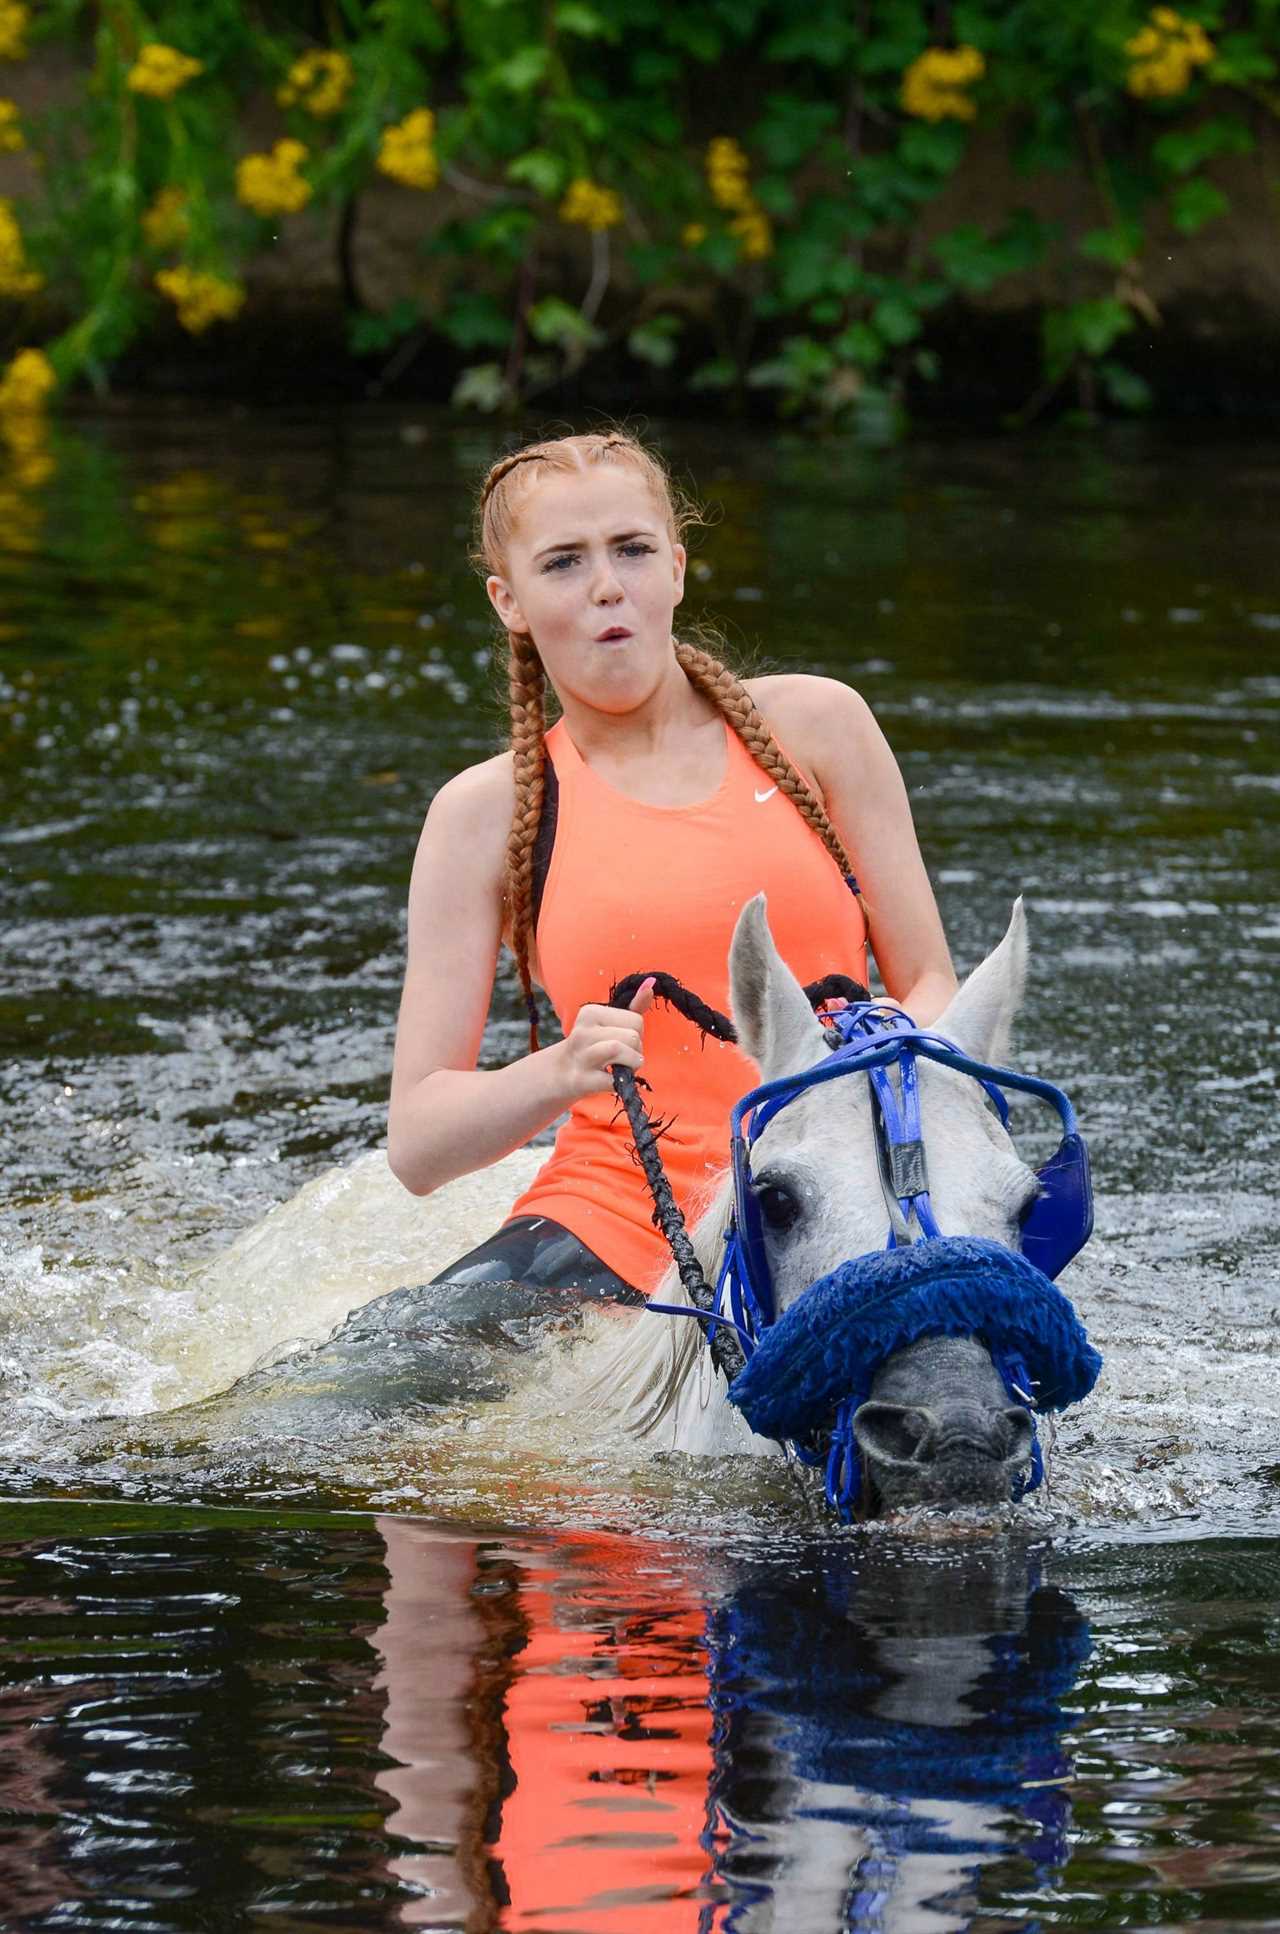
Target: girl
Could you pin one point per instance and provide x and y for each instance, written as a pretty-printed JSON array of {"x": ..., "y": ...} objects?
[{"x": 629, "y": 836}]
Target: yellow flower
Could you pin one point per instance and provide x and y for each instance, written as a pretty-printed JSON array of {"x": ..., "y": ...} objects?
[
  {"x": 406, "y": 151},
  {"x": 589, "y": 205},
  {"x": 160, "y": 71},
  {"x": 728, "y": 172},
  {"x": 693, "y": 233},
  {"x": 729, "y": 179},
  {"x": 11, "y": 135},
  {"x": 319, "y": 82},
  {"x": 200, "y": 299},
  {"x": 1164, "y": 55},
  {"x": 270, "y": 183},
  {"x": 165, "y": 223},
  {"x": 27, "y": 384},
  {"x": 754, "y": 232},
  {"x": 16, "y": 276},
  {"x": 25, "y": 434},
  {"x": 13, "y": 28},
  {"x": 933, "y": 87}
]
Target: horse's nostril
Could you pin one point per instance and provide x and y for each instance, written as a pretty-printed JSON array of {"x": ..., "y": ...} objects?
[
  {"x": 894, "y": 1433},
  {"x": 1019, "y": 1434}
]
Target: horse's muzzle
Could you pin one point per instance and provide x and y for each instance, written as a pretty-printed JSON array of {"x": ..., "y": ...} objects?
[{"x": 957, "y": 1451}]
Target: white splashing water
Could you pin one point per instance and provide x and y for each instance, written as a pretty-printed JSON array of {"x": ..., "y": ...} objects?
[{"x": 1182, "y": 1426}]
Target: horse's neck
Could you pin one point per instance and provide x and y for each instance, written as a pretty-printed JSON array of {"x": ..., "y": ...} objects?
[{"x": 658, "y": 1379}]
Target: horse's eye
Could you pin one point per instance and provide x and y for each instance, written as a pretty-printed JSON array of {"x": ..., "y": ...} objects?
[{"x": 778, "y": 1206}]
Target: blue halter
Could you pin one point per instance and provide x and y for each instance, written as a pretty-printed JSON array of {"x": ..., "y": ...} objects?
[{"x": 871, "y": 1039}]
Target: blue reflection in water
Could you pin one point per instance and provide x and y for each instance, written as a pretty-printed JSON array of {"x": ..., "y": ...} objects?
[{"x": 883, "y": 1732}]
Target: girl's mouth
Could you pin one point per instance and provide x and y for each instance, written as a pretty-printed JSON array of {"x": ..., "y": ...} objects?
[{"x": 613, "y": 635}]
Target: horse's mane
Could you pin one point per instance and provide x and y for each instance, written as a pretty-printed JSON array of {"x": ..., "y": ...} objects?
[{"x": 641, "y": 1375}]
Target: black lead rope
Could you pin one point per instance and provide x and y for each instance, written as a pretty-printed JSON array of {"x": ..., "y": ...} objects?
[{"x": 726, "y": 1353}]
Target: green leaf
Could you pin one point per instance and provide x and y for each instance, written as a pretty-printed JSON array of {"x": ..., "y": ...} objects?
[
  {"x": 805, "y": 264},
  {"x": 368, "y": 334},
  {"x": 523, "y": 70},
  {"x": 482, "y": 387},
  {"x": 692, "y": 29},
  {"x": 790, "y": 129},
  {"x": 973, "y": 262},
  {"x": 1242, "y": 57},
  {"x": 859, "y": 344},
  {"x": 574, "y": 112},
  {"x": 803, "y": 364},
  {"x": 1124, "y": 388},
  {"x": 1086, "y": 329},
  {"x": 896, "y": 319},
  {"x": 775, "y": 194},
  {"x": 655, "y": 341},
  {"x": 927, "y": 365},
  {"x": 1183, "y": 150},
  {"x": 825, "y": 36},
  {"x": 1196, "y": 202},
  {"x": 555, "y": 321},
  {"x": 718, "y": 374},
  {"x": 933, "y": 147},
  {"x": 474, "y": 320},
  {"x": 544, "y": 171},
  {"x": 721, "y": 251},
  {"x": 650, "y": 261},
  {"x": 572, "y": 17},
  {"x": 1115, "y": 246}
]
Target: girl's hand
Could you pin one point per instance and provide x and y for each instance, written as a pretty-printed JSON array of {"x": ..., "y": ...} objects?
[{"x": 601, "y": 1038}]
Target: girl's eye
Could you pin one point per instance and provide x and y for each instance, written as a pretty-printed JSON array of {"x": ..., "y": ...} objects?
[
  {"x": 560, "y": 561},
  {"x": 636, "y": 549}
]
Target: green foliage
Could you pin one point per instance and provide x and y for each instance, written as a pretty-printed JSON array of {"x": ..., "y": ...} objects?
[{"x": 566, "y": 197}]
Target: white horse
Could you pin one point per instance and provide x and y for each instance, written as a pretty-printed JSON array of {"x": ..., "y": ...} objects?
[{"x": 817, "y": 1179}]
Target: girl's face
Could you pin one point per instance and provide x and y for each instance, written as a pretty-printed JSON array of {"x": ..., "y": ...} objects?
[{"x": 593, "y": 577}]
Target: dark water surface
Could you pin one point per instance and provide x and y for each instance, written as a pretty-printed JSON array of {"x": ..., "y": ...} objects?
[{"x": 435, "y": 1675}]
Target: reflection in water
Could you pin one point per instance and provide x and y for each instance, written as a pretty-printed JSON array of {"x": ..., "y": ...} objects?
[
  {"x": 882, "y": 1734},
  {"x": 240, "y": 1720},
  {"x": 753, "y": 1750},
  {"x": 432, "y": 1644}
]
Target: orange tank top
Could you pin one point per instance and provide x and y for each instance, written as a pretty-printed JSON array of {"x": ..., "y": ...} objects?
[{"x": 633, "y": 886}]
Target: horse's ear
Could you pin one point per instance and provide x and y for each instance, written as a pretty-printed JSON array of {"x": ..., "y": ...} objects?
[
  {"x": 980, "y": 1016},
  {"x": 776, "y": 1025}
]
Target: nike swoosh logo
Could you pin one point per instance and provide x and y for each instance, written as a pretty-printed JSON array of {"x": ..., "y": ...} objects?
[{"x": 762, "y": 796}]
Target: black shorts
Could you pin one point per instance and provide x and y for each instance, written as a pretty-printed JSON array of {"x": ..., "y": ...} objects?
[{"x": 540, "y": 1253}]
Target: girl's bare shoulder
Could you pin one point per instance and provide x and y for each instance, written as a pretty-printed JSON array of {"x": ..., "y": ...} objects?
[
  {"x": 472, "y": 811},
  {"x": 810, "y": 713}
]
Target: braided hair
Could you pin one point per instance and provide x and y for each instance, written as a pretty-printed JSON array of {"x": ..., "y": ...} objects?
[{"x": 526, "y": 679}]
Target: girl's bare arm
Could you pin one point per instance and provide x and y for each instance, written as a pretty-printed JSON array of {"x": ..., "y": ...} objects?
[{"x": 448, "y": 1116}]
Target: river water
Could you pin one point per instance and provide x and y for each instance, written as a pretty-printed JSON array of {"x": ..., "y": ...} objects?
[{"x": 475, "y": 1668}]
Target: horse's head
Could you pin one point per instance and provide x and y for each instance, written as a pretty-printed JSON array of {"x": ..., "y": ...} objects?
[{"x": 939, "y": 1425}]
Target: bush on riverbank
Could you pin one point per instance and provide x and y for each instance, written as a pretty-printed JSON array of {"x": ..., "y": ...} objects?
[{"x": 733, "y": 195}]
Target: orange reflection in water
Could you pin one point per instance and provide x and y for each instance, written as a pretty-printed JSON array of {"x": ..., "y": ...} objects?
[
  {"x": 548, "y": 1725},
  {"x": 609, "y": 1748}
]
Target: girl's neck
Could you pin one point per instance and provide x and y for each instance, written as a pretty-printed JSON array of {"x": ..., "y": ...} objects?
[{"x": 664, "y": 721}]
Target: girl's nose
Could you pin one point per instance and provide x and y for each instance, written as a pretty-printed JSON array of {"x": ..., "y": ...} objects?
[{"x": 605, "y": 588}]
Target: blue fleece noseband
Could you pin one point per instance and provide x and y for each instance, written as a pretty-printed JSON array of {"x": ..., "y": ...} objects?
[{"x": 827, "y": 1347}]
